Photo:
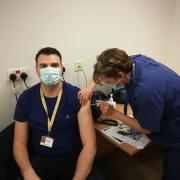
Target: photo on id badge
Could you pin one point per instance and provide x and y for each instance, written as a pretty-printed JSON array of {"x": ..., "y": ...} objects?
[{"x": 46, "y": 141}]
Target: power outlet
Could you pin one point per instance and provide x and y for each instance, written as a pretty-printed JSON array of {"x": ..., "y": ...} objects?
[
  {"x": 78, "y": 66},
  {"x": 17, "y": 72}
]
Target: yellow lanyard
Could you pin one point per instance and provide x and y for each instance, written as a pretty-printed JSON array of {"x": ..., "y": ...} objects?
[{"x": 51, "y": 122}]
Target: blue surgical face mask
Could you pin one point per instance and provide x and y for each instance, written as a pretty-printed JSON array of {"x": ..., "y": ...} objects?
[{"x": 50, "y": 76}]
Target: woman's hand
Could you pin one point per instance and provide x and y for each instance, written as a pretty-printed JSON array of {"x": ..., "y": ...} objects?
[
  {"x": 106, "y": 109},
  {"x": 84, "y": 95}
]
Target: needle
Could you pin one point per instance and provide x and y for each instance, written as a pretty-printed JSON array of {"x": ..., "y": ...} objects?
[{"x": 96, "y": 104}]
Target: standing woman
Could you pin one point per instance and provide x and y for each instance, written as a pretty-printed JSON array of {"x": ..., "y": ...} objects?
[{"x": 153, "y": 91}]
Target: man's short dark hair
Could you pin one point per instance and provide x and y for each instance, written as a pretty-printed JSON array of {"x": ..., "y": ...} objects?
[{"x": 48, "y": 51}]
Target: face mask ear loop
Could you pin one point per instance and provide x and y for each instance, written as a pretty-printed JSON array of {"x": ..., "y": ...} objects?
[{"x": 133, "y": 78}]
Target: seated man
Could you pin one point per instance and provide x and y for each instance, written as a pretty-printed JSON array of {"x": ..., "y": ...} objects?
[{"x": 60, "y": 130}]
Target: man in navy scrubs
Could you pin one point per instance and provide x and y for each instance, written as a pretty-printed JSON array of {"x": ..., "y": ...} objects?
[
  {"x": 153, "y": 91},
  {"x": 60, "y": 130}
]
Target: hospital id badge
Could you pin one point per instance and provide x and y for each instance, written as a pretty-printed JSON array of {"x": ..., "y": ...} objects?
[{"x": 47, "y": 141}]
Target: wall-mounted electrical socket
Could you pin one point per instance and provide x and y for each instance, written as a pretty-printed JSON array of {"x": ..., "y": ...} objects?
[
  {"x": 17, "y": 72},
  {"x": 78, "y": 66}
]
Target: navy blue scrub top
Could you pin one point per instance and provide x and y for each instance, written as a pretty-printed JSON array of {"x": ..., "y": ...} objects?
[
  {"x": 154, "y": 95},
  {"x": 65, "y": 130}
]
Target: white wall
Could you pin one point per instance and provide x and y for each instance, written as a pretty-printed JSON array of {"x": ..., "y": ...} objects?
[
  {"x": 174, "y": 42},
  {"x": 80, "y": 29}
]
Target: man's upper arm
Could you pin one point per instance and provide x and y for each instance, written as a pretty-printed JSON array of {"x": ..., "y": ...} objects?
[
  {"x": 86, "y": 126},
  {"x": 21, "y": 133}
]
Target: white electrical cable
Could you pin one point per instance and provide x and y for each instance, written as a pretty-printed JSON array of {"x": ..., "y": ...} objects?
[
  {"x": 14, "y": 89},
  {"x": 84, "y": 76}
]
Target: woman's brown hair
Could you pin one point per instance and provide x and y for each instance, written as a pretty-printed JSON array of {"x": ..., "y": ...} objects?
[{"x": 110, "y": 62}]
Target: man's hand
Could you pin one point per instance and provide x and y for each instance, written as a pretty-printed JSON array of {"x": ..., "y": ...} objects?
[
  {"x": 84, "y": 95},
  {"x": 106, "y": 109},
  {"x": 31, "y": 175}
]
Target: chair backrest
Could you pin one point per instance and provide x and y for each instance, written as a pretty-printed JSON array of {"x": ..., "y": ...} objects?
[{"x": 8, "y": 167}]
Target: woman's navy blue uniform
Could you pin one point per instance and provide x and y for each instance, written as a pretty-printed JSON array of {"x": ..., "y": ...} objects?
[{"x": 154, "y": 95}]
